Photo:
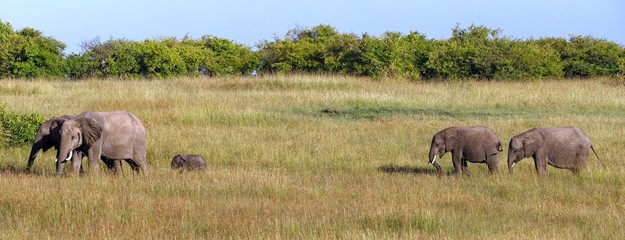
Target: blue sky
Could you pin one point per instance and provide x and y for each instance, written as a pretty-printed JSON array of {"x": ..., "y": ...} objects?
[{"x": 248, "y": 22}]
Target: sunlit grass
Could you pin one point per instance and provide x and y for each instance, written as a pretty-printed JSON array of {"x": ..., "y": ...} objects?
[{"x": 278, "y": 167}]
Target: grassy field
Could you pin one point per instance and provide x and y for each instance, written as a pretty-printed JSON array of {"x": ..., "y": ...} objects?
[{"x": 279, "y": 168}]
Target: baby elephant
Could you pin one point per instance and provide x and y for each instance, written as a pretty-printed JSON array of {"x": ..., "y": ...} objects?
[
  {"x": 188, "y": 162},
  {"x": 563, "y": 147},
  {"x": 475, "y": 144}
]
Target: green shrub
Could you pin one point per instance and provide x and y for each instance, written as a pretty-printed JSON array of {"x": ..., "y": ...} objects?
[
  {"x": 589, "y": 57},
  {"x": 162, "y": 58},
  {"x": 18, "y": 129},
  {"x": 227, "y": 57},
  {"x": 482, "y": 53},
  {"x": 322, "y": 49},
  {"x": 474, "y": 52}
]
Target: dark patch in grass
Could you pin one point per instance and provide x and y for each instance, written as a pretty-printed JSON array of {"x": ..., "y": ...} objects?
[
  {"x": 13, "y": 170},
  {"x": 397, "y": 222},
  {"x": 395, "y": 169},
  {"x": 615, "y": 82},
  {"x": 374, "y": 113},
  {"x": 278, "y": 84}
]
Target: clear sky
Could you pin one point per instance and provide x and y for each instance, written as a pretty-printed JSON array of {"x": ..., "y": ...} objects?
[{"x": 248, "y": 22}]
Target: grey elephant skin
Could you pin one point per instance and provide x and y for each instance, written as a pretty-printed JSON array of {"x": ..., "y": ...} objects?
[
  {"x": 476, "y": 144},
  {"x": 188, "y": 162},
  {"x": 562, "y": 147},
  {"x": 111, "y": 136},
  {"x": 48, "y": 136}
]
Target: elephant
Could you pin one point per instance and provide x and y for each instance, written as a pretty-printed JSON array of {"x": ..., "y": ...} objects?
[
  {"x": 111, "y": 136},
  {"x": 188, "y": 162},
  {"x": 477, "y": 144},
  {"x": 48, "y": 136},
  {"x": 562, "y": 147}
]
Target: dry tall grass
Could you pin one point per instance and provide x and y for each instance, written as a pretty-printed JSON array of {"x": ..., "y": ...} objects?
[{"x": 280, "y": 168}]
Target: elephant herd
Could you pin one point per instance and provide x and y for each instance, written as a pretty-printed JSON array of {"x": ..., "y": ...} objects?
[
  {"x": 112, "y": 137},
  {"x": 563, "y": 147},
  {"x": 119, "y": 136}
]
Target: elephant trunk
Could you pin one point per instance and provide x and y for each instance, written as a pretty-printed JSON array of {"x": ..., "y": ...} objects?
[
  {"x": 34, "y": 150},
  {"x": 433, "y": 154},
  {"x": 60, "y": 166},
  {"x": 432, "y": 159},
  {"x": 63, "y": 155},
  {"x": 511, "y": 163}
]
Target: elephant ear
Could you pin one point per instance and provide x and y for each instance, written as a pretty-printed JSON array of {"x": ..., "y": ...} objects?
[
  {"x": 451, "y": 139},
  {"x": 91, "y": 130},
  {"x": 52, "y": 128},
  {"x": 52, "y": 123},
  {"x": 530, "y": 145}
]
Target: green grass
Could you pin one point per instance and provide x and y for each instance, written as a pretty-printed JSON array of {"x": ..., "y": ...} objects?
[{"x": 278, "y": 167}]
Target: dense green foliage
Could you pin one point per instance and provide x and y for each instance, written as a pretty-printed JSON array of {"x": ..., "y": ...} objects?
[
  {"x": 165, "y": 57},
  {"x": 27, "y": 53},
  {"x": 473, "y": 52},
  {"x": 18, "y": 129}
]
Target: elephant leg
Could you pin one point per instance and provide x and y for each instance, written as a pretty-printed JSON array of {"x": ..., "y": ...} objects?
[
  {"x": 114, "y": 166},
  {"x": 117, "y": 165},
  {"x": 136, "y": 168},
  {"x": 492, "y": 164},
  {"x": 465, "y": 167},
  {"x": 94, "y": 159},
  {"x": 77, "y": 163},
  {"x": 540, "y": 163},
  {"x": 139, "y": 158},
  {"x": 108, "y": 163},
  {"x": 455, "y": 159}
]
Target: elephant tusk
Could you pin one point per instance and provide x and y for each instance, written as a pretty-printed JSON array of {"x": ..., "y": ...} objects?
[
  {"x": 70, "y": 156},
  {"x": 434, "y": 160},
  {"x": 56, "y": 160},
  {"x": 511, "y": 166}
]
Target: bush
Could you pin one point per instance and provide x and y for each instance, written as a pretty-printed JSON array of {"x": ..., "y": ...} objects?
[
  {"x": 18, "y": 129},
  {"x": 161, "y": 58},
  {"x": 224, "y": 57},
  {"x": 27, "y": 53},
  {"x": 322, "y": 49},
  {"x": 590, "y": 57},
  {"x": 482, "y": 53}
]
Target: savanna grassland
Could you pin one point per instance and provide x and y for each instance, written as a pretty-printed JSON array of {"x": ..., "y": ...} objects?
[{"x": 280, "y": 168}]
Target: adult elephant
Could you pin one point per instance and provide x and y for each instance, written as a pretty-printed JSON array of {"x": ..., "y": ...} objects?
[
  {"x": 113, "y": 136},
  {"x": 475, "y": 144},
  {"x": 48, "y": 136},
  {"x": 563, "y": 147}
]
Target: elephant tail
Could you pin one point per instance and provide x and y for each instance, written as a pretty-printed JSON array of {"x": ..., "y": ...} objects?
[{"x": 599, "y": 159}]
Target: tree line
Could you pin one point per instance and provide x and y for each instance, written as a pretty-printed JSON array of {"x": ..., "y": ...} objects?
[{"x": 476, "y": 52}]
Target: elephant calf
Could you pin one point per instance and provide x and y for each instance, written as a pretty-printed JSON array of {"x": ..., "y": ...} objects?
[
  {"x": 476, "y": 144},
  {"x": 563, "y": 147},
  {"x": 188, "y": 162}
]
